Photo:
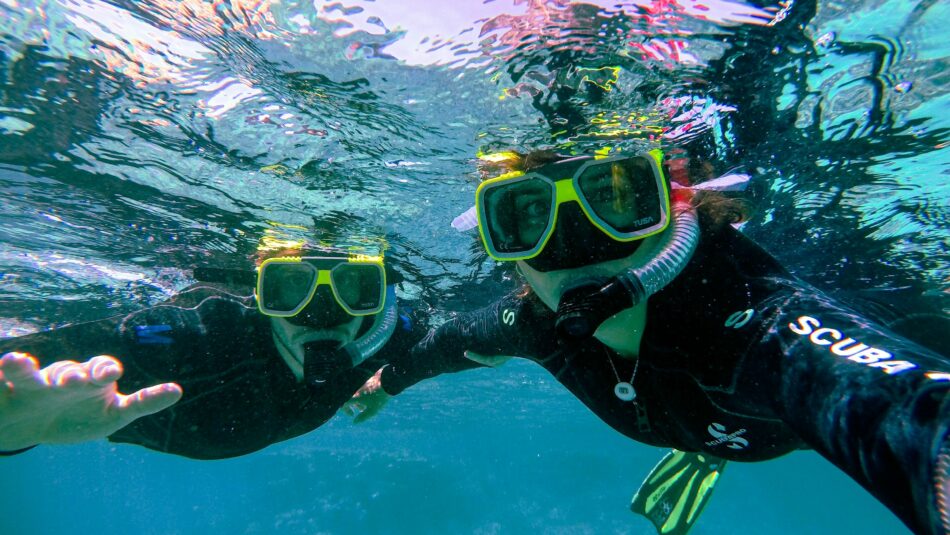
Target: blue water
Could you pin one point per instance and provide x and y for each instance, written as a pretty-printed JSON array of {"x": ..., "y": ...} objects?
[
  {"x": 491, "y": 451},
  {"x": 141, "y": 139}
]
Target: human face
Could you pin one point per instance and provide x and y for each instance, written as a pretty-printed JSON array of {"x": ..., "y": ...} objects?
[
  {"x": 290, "y": 286},
  {"x": 551, "y": 285},
  {"x": 607, "y": 203},
  {"x": 298, "y": 334}
]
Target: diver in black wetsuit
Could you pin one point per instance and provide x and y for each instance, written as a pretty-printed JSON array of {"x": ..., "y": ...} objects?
[
  {"x": 679, "y": 332},
  {"x": 252, "y": 371}
]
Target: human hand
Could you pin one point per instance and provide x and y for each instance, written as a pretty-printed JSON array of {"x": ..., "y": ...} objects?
[
  {"x": 486, "y": 360},
  {"x": 69, "y": 401},
  {"x": 368, "y": 400}
]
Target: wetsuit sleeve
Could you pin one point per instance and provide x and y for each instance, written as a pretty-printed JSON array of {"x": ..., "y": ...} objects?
[
  {"x": 498, "y": 329},
  {"x": 874, "y": 404}
]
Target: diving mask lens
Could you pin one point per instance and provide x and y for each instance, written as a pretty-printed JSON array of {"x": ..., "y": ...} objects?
[
  {"x": 284, "y": 288},
  {"x": 519, "y": 214},
  {"x": 359, "y": 287},
  {"x": 287, "y": 285},
  {"x": 627, "y": 198}
]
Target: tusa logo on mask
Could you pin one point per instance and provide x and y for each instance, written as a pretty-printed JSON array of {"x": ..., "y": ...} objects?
[{"x": 848, "y": 347}]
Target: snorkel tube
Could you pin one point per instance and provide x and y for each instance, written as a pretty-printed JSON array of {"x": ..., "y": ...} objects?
[
  {"x": 320, "y": 364},
  {"x": 384, "y": 324},
  {"x": 581, "y": 310}
]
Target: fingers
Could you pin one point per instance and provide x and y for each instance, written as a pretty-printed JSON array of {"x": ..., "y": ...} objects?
[
  {"x": 371, "y": 386},
  {"x": 103, "y": 370},
  {"x": 367, "y": 413},
  {"x": 149, "y": 400},
  {"x": 65, "y": 373},
  {"x": 96, "y": 372},
  {"x": 20, "y": 370},
  {"x": 18, "y": 364},
  {"x": 349, "y": 409}
]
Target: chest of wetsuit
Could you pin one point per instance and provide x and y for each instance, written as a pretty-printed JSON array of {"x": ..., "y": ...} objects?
[
  {"x": 692, "y": 393},
  {"x": 238, "y": 394}
]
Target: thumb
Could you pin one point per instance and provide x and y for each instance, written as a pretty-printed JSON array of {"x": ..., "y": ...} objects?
[
  {"x": 485, "y": 360},
  {"x": 149, "y": 400}
]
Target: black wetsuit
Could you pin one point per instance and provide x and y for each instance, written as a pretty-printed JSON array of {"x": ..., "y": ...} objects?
[
  {"x": 740, "y": 360},
  {"x": 239, "y": 394}
]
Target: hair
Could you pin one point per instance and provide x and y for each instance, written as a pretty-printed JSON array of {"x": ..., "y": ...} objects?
[{"x": 715, "y": 209}]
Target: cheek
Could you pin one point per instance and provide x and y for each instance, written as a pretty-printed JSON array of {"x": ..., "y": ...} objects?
[
  {"x": 545, "y": 285},
  {"x": 354, "y": 326}
]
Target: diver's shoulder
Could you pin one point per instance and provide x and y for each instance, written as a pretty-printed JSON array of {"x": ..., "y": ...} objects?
[
  {"x": 727, "y": 245},
  {"x": 196, "y": 308},
  {"x": 205, "y": 294}
]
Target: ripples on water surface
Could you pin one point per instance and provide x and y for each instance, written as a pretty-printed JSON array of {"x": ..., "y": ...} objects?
[{"x": 139, "y": 139}]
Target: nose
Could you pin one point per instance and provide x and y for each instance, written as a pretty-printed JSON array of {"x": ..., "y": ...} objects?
[
  {"x": 572, "y": 227},
  {"x": 322, "y": 312}
]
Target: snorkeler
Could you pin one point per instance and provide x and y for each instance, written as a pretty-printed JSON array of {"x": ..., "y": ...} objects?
[
  {"x": 251, "y": 368},
  {"x": 679, "y": 332}
]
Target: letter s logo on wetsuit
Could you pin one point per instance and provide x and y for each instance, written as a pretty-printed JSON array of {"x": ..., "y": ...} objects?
[
  {"x": 738, "y": 320},
  {"x": 848, "y": 347},
  {"x": 508, "y": 317},
  {"x": 720, "y": 436}
]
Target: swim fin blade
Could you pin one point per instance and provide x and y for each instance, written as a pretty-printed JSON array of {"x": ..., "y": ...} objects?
[{"x": 677, "y": 490}]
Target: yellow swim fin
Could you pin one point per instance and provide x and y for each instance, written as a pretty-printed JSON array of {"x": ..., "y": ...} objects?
[{"x": 677, "y": 490}]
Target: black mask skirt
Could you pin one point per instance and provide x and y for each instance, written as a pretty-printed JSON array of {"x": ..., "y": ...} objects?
[
  {"x": 577, "y": 243},
  {"x": 323, "y": 312}
]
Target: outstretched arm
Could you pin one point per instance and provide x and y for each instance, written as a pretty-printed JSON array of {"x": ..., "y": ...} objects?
[
  {"x": 470, "y": 340},
  {"x": 48, "y": 397},
  {"x": 874, "y": 404},
  {"x": 68, "y": 401},
  {"x": 372, "y": 397}
]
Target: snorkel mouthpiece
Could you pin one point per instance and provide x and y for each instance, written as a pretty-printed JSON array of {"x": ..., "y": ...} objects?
[
  {"x": 581, "y": 310},
  {"x": 322, "y": 360}
]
